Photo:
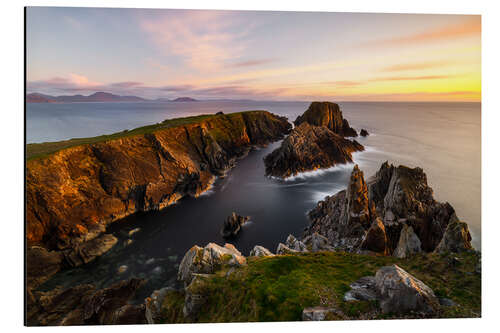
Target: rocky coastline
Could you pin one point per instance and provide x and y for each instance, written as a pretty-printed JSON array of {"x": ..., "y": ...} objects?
[
  {"x": 318, "y": 141},
  {"x": 72, "y": 194}
]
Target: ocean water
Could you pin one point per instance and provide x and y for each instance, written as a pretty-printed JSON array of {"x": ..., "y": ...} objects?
[{"x": 442, "y": 138}]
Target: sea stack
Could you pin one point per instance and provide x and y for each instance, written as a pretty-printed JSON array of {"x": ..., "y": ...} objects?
[{"x": 318, "y": 141}]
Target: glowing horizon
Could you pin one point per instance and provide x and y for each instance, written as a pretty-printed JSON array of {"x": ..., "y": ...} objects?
[{"x": 207, "y": 54}]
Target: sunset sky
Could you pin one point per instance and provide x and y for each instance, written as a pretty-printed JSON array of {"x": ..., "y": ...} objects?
[{"x": 254, "y": 55}]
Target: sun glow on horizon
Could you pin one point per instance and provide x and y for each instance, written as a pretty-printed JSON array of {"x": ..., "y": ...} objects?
[{"x": 254, "y": 55}]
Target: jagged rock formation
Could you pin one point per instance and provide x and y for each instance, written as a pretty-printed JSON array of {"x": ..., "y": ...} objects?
[
  {"x": 364, "y": 132},
  {"x": 393, "y": 213},
  {"x": 456, "y": 238},
  {"x": 72, "y": 194},
  {"x": 326, "y": 114},
  {"x": 309, "y": 148},
  {"x": 396, "y": 290},
  {"x": 260, "y": 251},
  {"x": 84, "y": 305},
  {"x": 233, "y": 224},
  {"x": 208, "y": 259}
]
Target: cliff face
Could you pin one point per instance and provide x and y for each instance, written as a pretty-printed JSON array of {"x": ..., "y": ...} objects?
[
  {"x": 308, "y": 148},
  {"x": 393, "y": 213},
  {"x": 72, "y": 194},
  {"x": 326, "y": 114}
]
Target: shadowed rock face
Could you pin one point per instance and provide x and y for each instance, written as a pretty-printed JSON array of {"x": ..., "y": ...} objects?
[
  {"x": 84, "y": 305},
  {"x": 328, "y": 115},
  {"x": 308, "y": 148},
  {"x": 393, "y": 213}
]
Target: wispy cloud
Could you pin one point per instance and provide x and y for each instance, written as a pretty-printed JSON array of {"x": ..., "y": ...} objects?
[
  {"x": 251, "y": 63},
  {"x": 204, "y": 40},
  {"x": 411, "y": 78},
  {"x": 470, "y": 27}
]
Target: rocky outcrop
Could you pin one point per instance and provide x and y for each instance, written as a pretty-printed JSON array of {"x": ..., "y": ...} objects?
[
  {"x": 295, "y": 244},
  {"x": 283, "y": 250},
  {"x": 260, "y": 251},
  {"x": 233, "y": 224},
  {"x": 392, "y": 213},
  {"x": 84, "y": 305},
  {"x": 326, "y": 114},
  {"x": 72, "y": 194},
  {"x": 316, "y": 242},
  {"x": 307, "y": 148},
  {"x": 408, "y": 244},
  {"x": 456, "y": 238},
  {"x": 364, "y": 132},
  {"x": 396, "y": 291},
  {"x": 196, "y": 296},
  {"x": 207, "y": 260},
  {"x": 319, "y": 313}
]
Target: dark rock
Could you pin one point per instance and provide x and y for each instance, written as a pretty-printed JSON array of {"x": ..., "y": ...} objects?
[
  {"x": 220, "y": 113},
  {"x": 364, "y": 132},
  {"x": 412, "y": 219},
  {"x": 376, "y": 239},
  {"x": 326, "y": 114},
  {"x": 307, "y": 148},
  {"x": 446, "y": 302},
  {"x": 233, "y": 224},
  {"x": 362, "y": 290},
  {"x": 84, "y": 305},
  {"x": 86, "y": 252}
]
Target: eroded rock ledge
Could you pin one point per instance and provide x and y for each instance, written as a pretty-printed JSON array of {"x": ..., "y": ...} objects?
[
  {"x": 393, "y": 213},
  {"x": 73, "y": 194},
  {"x": 318, "y": 141}
]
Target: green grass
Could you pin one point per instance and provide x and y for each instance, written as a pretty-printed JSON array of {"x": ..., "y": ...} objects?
[
  {"x": 41, "y": 150},
  {"x": 278, "y": 288}
]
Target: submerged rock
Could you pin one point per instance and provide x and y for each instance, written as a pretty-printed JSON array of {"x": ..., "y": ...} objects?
[
  {"x": 307, "y": 148},
  {"x": 233, "y": 224},
  {"x": 207, "y": 260}
]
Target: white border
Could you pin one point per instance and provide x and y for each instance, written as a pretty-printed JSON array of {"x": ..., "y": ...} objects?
[{"x": 11, "y": 91}]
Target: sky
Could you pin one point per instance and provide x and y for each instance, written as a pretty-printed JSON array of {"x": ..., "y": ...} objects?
[{"x": 259, "y": 55}]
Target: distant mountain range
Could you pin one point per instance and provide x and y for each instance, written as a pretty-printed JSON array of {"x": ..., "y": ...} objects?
[{"x": 96, "y": 97}]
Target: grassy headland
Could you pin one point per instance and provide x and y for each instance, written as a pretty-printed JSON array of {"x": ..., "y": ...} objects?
[{"x": 279, "y": 288}]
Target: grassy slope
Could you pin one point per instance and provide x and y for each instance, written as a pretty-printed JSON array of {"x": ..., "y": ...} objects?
[
  {"x": 40, "y": 150},
  {"x": 278, "y": 288}
]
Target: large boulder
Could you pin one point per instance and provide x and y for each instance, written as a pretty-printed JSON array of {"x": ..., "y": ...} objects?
[
  {"x": 283, "y": 249},
  {"x": 456, "y": 238},
  {"x": 307, "y": 148},
  {"x": 400, "y": 292},
  {"x": 233, "y": 224},
  {"x": 86, "y": 252},
  {"x": 207, "y": 260},
  {"x": 408, "y": 244},
  {"x": 260, "y": 251}
]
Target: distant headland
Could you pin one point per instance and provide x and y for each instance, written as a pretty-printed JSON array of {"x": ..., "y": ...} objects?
[{"x": 99, "y": 96}]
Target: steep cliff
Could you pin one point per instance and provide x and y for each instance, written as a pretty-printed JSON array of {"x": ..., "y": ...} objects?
[
  {"x": 329, "y": 115},
  {"x": 73, "y": 193}
]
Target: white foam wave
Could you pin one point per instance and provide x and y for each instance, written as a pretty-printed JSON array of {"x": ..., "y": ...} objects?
[{"x": 319, "y": 172}]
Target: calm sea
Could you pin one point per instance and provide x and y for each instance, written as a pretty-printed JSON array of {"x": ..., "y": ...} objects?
[{"x": 442, "y": 138}]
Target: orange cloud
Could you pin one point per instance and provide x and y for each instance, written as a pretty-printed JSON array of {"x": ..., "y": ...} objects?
[
  {"x": 414, "y": 66},
  {"x": 468, "y": 28}
]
